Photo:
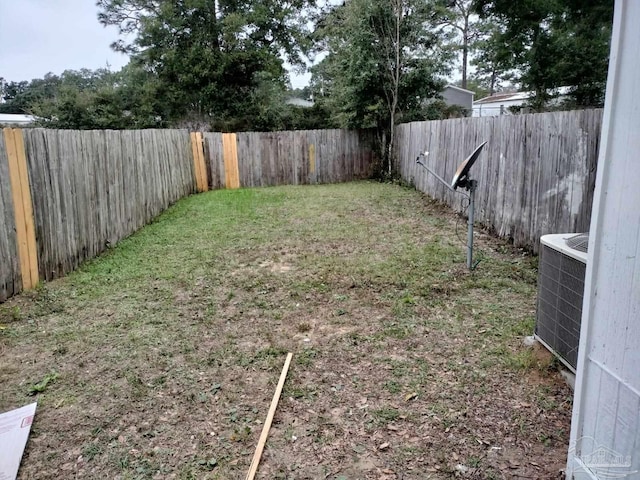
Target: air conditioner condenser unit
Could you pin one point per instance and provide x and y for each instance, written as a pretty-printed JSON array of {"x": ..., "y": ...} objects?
[{"x": 561, "y": 273}]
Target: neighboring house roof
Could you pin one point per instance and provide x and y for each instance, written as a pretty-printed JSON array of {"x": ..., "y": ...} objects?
[
  {"x": 299, "y": 102},
  {"x": 503, "y": 97},
  {"x": 460, "y": 89},
  {"x": 513, "y": 97},
  {"x": 16, "y": 119}
]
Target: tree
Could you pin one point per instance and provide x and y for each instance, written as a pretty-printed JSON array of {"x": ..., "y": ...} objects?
[
  {"x": 554, "y": 43},
  {"x": 383, "y": 62},
  {"x": 18, "y": 97},
  {"x": 461, "y": 23},
  {"x": 492, "y": 64},
  {"x": 212, "y": 58},
  {"x": 84, "y": 99}
]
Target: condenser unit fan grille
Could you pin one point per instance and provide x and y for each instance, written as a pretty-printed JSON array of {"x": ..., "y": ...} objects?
[{"x": 579, "y": 242}]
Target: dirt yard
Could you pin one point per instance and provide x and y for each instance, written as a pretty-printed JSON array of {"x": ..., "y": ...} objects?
[{"x": 159, "y": 359}]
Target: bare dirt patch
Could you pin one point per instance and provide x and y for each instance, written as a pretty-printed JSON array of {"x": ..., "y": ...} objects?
[{"x": 167, "y": 349}]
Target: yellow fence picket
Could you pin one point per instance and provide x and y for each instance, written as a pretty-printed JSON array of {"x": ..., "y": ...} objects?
[
  {"x": 23, "y": 208},
  {"x": 231, "y": 170}
]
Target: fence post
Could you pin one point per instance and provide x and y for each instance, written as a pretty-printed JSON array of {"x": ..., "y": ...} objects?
[
  {"x": 22, "y": 207},
  {"x": 197, "y": 148},
  {"x": 230, "y": 153}
]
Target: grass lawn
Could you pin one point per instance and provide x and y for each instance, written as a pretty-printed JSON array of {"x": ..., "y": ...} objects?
[{"x": 163, "y": 354}]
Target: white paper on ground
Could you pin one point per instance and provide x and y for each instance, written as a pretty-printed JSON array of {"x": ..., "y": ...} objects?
[{"x": 14, "y": 432}]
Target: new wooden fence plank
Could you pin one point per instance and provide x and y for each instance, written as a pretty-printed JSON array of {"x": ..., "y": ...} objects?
[
  {"x": 234, "y": 152},
  {"x": 32, "y": 251},
  {"x": 231, "y": 171},
  {"x": 23, "y": 210}
]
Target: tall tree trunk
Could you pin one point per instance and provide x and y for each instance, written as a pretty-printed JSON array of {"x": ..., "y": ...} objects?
[
  {"x": 465, "y": 49},
  {"x": 396, "y": 84},
  {"x": 465, "y": 54},
  {"x": 492, "y": 86}
]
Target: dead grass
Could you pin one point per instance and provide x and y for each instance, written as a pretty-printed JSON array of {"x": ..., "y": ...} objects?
[{"x": 162, "y": 355}]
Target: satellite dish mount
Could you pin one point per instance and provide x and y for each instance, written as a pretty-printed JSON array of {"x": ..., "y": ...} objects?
[{"x": 462, "y": 180}]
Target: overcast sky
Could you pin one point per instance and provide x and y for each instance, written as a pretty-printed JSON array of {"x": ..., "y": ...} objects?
[{"x": 41, "y": 36}]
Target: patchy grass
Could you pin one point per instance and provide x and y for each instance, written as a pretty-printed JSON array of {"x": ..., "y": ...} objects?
[{"x": 162, "y": 355}]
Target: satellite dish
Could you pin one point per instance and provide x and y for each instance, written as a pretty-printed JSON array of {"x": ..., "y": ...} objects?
[
  {"x": 461, "y": 179},
  {"x": 462, "y": 174}
]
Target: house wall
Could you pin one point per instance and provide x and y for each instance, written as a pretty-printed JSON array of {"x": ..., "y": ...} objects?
[
  {"x": 10, "y": 119},
  {"x": 605, "y": 428},
  {"x": 493, "y": 109},
  {"x": 456, "y": 97}
]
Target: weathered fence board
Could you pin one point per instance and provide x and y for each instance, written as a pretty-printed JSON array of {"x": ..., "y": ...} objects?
[
  {"x": 535, "y": 176},
  {"x": 10, "y": 279},
  {"x": 93, "y": 188}
]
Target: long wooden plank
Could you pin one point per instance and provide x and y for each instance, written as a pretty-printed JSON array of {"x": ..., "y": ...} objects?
[
  {"x": 23, "y": 209},
  {"x": 28, "y": 208},
  {"x": 234, "y": 156},
  {"x": 231, "y": 171},
  {"x": 267, "y": 423}
]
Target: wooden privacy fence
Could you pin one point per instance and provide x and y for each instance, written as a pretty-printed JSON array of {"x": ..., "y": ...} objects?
[
  {"x": 66, "y": 195},
  {"x": 535, "y": 176},
  {"x": 256, "y": 159}
]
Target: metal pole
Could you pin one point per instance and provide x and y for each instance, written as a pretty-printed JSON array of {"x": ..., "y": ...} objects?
[{"x": 472, "y": 195}]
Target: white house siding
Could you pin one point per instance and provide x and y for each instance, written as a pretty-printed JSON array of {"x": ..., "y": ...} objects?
[
  {"x": 605, "y": 429},
  {"x": 15, "y": 119},
  {"x": 494, "y": 109}
]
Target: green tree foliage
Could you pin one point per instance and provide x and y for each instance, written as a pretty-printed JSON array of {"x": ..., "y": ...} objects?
[
  {"x": 492, "y": 64},
  {"x": 131, "y": 98},
  {"x": 462, "y": 26},
  {"x": 550, "y": 44},
  {"x": 217, "y": 60},
  {"x": 18, "y": 97},
  {"x": 384, "y": 60},
  {"x": 86, "y": 99}
]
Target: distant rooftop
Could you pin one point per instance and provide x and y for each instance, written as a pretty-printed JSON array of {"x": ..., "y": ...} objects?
[
  {"x": 503, "y": 97},
  {"x": 460, "y": 89},
  {"x": 299, "y": 102},
  {"x": 513, "y": 96},
  {"x": 16, "y": 119}
]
